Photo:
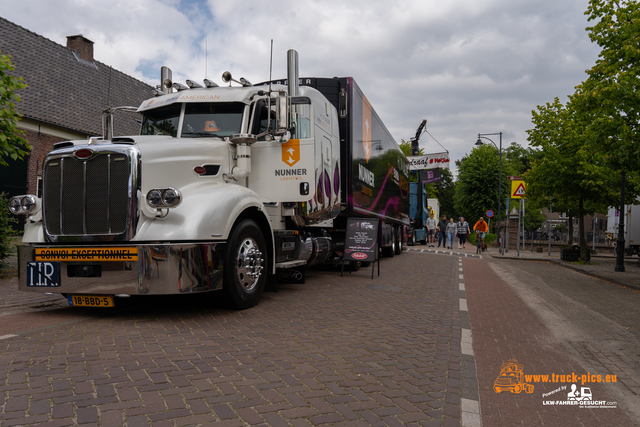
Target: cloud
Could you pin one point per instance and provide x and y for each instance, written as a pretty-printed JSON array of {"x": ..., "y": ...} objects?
[{"x": 465, "y": 66}]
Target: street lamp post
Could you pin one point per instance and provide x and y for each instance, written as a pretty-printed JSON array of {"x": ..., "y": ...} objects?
[{"x": 479, "y": 142}]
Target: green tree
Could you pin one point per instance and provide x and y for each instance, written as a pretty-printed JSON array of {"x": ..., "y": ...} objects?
[
  {"x": 518, "y": 159},
  {"x": 6, "y": 219},
  {"x": 12, "y": 145},
  {"x": 533, "y": 218},
  {"x": 405, "y": 146},
  {"x": 569, "y": 175},
  {"x": 476, "y": 189},
  {"x": 609, "y": 97},
  {"x": 444, "y": 191}
]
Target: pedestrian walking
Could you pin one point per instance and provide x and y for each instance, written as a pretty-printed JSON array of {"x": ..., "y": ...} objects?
[
  {"x": 442, "y": 227},
  {"x": 431, "y": 228},
  {"x": 463, "y": 230},
  {"x": 451, "y": 232}
]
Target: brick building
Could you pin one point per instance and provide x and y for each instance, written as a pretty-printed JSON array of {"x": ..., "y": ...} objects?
[{"x": 67, "y": 90}]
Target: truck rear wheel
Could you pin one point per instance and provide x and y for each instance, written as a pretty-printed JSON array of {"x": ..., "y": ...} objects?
[
  {"x": 390, "y": 251},
  {"x": 244, "y": 278},
  {"x": 398, "y": 240}
]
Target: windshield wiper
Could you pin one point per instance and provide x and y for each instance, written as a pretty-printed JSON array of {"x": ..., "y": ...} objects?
[{"x": 209, "y": 134}]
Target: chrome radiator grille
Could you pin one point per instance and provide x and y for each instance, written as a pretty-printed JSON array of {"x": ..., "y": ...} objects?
[{"x": 87, "y": 197}]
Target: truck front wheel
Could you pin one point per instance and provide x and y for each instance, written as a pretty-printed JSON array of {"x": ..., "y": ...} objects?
[{"x": 244, "y": 278}]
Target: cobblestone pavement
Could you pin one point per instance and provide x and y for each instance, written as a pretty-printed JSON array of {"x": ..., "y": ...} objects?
[{"x": 335, "y": 351}]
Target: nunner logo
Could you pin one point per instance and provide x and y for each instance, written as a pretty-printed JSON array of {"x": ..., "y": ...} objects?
[
  {"x": 291, "y": 156},
  {"x": 291, "y": 152}
]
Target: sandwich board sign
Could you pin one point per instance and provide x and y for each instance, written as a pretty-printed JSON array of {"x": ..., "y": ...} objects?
[{"x": 361, "y": 241}]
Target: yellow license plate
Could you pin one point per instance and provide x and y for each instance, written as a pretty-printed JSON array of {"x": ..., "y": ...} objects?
[
  {"x": 90, "y": 301},
  {"x": 129, "y": 253}
]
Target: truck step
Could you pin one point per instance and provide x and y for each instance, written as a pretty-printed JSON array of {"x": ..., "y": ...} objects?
[{"x": 291, "y": 264}]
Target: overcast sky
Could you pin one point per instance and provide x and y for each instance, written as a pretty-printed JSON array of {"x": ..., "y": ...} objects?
[{"x": 467, "y": 66}]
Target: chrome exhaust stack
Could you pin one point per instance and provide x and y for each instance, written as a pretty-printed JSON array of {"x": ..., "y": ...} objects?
[{"x": 292, "y": 72}]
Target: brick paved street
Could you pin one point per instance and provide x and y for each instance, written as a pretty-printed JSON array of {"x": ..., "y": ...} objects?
[
  {"x": 350, "y": 351},
  {"x": 552, "y": 320}
]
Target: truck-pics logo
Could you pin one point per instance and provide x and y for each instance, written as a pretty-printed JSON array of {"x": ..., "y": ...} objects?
[
  {"x": 291, "y": 152},
  {"x": 511, "y": 378}
]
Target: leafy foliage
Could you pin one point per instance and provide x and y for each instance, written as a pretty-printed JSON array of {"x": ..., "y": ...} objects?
[
  {"x": 569, "y": 174},
  {"x": 12, "y": 145},
  {"x": 444, "y": 191},
  {"x": 6, "y": 248},
  {"x": 609, "y": 99},
  {"x": 405, "y": 146},
  {"x": 533, "y": 218},
  {"x": 476, "y": 190}
]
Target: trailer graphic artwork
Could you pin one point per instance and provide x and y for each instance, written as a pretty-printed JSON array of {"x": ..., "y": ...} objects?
[
  {"x": 512, "y": 378},
  {"x": 366, "y": 127}
]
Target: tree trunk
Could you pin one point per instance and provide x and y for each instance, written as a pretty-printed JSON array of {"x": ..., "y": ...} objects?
[
  {"x": 570, "y": 230},
  {"x": 583, "y": 242}
]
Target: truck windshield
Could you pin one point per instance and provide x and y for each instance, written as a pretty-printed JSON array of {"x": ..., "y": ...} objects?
[
  {"x": 161, "y": 121},
  {"x": 203, "y": 120}
]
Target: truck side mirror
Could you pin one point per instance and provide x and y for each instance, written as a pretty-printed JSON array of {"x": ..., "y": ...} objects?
[{"x": 282, "y": 112}]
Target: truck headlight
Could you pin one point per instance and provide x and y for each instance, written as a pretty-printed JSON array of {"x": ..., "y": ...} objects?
[
  {"x": 154, "y": 198},
  {"x": 163, "y": 198},
  {"x": 23, "y": 205},
  {"x": 170, "y": 197}
]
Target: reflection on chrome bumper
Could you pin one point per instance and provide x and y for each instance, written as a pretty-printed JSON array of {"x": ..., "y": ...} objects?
[{"x": 159, "y": 270}]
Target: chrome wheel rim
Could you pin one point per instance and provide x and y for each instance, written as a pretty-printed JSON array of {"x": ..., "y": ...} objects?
[{"x": 249, "y": 264}]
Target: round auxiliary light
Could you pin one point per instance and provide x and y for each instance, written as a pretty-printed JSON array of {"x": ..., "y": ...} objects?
[
  {"x": 28, "y": 204},
  {"x": 154, "y": 198},
  {"x": 15, "y": 206},
  {"x": 170, "y": 197},
  {"x": 83, "y": 153},
  {"x": 200, "y": 170}
]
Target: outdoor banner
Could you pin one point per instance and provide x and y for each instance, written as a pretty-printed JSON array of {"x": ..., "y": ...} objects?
[
  {"x": 430, "y": 175},
  {"x": 429, "y": 161}
]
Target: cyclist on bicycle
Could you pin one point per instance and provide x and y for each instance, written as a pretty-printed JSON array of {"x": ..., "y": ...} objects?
[{"x": 481, "y": 229}]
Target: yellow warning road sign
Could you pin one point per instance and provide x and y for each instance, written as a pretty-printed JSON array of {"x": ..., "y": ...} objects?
[{"x": 518, "y": 190}]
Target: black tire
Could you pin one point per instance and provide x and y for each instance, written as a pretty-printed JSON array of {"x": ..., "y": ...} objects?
[
  {"x": 410, "y": 239},
  {"x": 423, "y": 242},
  {"x": 244, "y": 275},
  {"x": 398, "y": 240},
  {"x": 355, "y": 265},
  {"x": 390, "y": 251}
]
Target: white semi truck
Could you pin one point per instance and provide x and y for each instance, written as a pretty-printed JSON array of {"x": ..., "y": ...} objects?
[
  {"x": 631, "y": 225},
  {"x": 223, "y": 187}
]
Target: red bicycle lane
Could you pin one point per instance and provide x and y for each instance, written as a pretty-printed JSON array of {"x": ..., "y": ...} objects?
[{"x": 505, "y": 330}]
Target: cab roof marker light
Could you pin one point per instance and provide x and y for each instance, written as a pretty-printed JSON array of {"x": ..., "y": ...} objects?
[
  {"x": 208, "y": 83},
  {"x": 193, "y": 84},
  {"x": 179, "y": 87}
]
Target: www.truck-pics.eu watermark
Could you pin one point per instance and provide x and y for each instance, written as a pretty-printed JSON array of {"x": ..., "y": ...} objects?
[{"x": 513, "y": 379}]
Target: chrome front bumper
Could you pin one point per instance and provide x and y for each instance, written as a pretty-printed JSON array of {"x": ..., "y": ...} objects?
[{"x": 158, "y": 270}]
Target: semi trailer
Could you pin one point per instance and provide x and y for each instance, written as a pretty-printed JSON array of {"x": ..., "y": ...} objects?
[{"x": 224, "y": 186}]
